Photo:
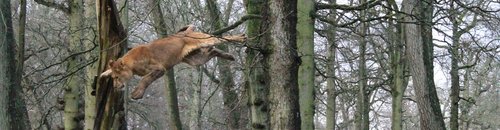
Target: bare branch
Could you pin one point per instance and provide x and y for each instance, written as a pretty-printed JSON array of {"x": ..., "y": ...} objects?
[
  {"x": 236, "y": 24},
  {"x": 54, "y": 5},
  {"x": 369, "y": 4},
  {"x": 334, "y": 23}
]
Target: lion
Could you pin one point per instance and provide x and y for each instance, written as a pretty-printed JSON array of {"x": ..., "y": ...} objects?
[{"x": 152, "y": 60}]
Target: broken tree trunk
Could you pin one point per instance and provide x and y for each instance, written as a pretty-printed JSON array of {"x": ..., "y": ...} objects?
[{"x": 112, "y": 41}]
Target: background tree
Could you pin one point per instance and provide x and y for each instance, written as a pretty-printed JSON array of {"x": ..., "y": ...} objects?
[
  {"x": 90, "y": 42},
  {"x": 398, "y": 67},
  {"x": 74, "y": 82},
  {"x": 282, "y": 65},
  {"x": 305, "y": 46},
  {"x": 418, "y": 55},
  {"x": 7, "y": 68},
  {"x": 171, "y": 94},
  {"x": 256, "y": 78},
  {"x": 363, "y": 104},
  {"x": 19, "y": 112}
]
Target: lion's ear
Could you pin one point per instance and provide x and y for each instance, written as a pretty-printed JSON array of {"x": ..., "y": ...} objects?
[
  {"x": 115, "y": 64},
  {"x": 110, "y": 64}
]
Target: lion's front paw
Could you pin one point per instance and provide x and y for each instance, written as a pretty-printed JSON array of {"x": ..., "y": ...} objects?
[{"x": 138, "y": 93}]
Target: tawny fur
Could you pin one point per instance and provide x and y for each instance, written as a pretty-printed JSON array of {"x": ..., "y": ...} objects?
[{"x": 153, "y": 59}]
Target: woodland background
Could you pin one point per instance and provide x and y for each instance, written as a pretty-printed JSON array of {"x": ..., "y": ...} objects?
[{"x": 323, "y": 64}]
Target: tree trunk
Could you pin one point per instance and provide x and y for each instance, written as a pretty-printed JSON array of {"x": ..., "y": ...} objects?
[
  {"x": 455, "y": 79},
  {"x": 91, "y": 71},
  {"x": 305, "y": 45},
  {"x": 399, "y": 83},
  {"x": 455, "y": 84},
  {"x": 14, "y": 115},
  {"x": 7, "y": 66},
  {"x": 363, "y": 105},
  {"x": 426, "y": 15},
  {"x": 112, "y": 40},
  {"x": 256, "y": 78},
  {"x": 398, "y": 66},
  {"x": 21, "y": 112},
  {"x": 226, "y": 77},
  {"x": 196, "y": 109},
  {"x": 330, "y": 81},
  {"x": 72, "y": 90},
  {"x": 21, "y": 40},
  {"x": 171, "y": 89},
  {"x": 421, "y": 70},
  {"x": 282, "y": 66}
]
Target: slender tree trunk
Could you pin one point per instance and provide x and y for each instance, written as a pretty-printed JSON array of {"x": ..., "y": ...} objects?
[
  {"x": 331, "y": 115},
  {"x": 362, "y": 106},
  {"x": 21, "y": 40},
  {"x": 457, "y": 33},
  {"x": 72, "y": 90},
  {"x": 455, "y": 79},
  {"x": 226, "y": 77},
  {"x": 398, "y": 65},
  {"x": 256, "y": 78},
  {"x": 7, "y": 66},
  {"x": 282, "y": 65},
  {"x": 112, "y": 39},
  {"x": 455, "y": 87},
  {"x": 91, "y": 71},
  {"x": 418, "y": 52},
  {"x": 22, "y": 121},
  {"x": 399, "y": 83},
  {"x": 305, "y": 45},
  {"x": 171, "y": 89}
]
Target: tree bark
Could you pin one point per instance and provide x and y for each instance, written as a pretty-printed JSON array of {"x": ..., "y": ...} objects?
[
  {"x": 398, "y": 66},
  {"x": 421, "y": 70},
  {"x": 282, "y": 66},
  {"x": 72, "y": 90},
  {"x": 20, "y": 110},
  {"x": 170, "y": 87},
  {"x": 7, "y": 66},
  {"x": 113, "y": 43},
  {"x": 305, "y": 45},
  {"x": 91, "y": 71},
  {"x": 363, "y": 105},
  {"x": 13, "y": 111},
  {"x": 426, "y": 16},
  {"x": 455, "y": 79},
  {"x": 256, "y": 78},
  {"x": 331, "y": 86}
]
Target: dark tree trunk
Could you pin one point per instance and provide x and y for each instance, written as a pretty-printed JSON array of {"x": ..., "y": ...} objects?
[
  {"x": 112, "y": 40},
  {"x": 419, "y": 52},
  {"x": 282, "y": 66},
  {"x": 256, "y": 78},
  {"x": 7, "y": 66},
  {"x": 14, "y": 113}
]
